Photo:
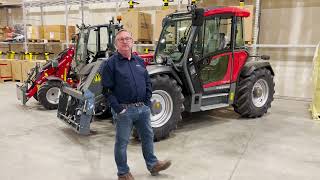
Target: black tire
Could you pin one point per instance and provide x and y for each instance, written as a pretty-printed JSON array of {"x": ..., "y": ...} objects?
[
  {"x": 163, "y": 83},
  {"x": 105, "y": 113},
  {"x": 42, "y": 94},
  {"x": 35, "y": 96},
  {"x": 244, "y": 103}
]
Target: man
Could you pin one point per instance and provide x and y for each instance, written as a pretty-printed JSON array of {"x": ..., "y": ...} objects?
[{"x": 127, "y": 87}]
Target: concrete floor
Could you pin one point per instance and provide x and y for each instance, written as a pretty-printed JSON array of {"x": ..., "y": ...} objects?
[{"x": 216, "y": 145}]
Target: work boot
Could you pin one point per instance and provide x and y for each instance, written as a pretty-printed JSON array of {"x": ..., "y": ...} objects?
[
  {"x": 160, "y": 166},
  {"x": 127, "y": 176}
]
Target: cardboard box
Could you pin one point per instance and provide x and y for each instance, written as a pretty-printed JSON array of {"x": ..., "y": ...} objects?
[
  {"x": 2, "y": 37},
  {"x": 5, "y": 69},
  {"x": 18, "y": 48},
  {"x": 55, "y": 36},
  {"x": 139, "y": 24},
  {"x": 54, "y": 48},
  {"x": 3, "y": 17},
  {"x": 158, "y": 22},
  {"x": 248, "y": 24},
  {"x": 71, "y": 31},
  {"x": 16, "y": 70},
  {"x": 28, "y": 65},
  {"x": 56, "y": 32},
  {"x": 35, "y": 32},
  {"x": 54, "y": 28},
  {"x": 15, "y": 15}
]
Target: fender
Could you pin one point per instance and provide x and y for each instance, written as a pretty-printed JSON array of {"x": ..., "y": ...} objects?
[
  {"x": 251, "y": 66},
  {"x": 161, "y": 69}
]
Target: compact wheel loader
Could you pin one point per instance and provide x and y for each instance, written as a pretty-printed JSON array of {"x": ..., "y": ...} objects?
[{"x": 43, "y": 83}]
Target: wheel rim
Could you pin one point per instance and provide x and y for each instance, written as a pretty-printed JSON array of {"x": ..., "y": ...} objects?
[
  {"x": 162, "y": 106},
  {"x": 260, "y": 93},
  {"x": 53, "y": 95}
]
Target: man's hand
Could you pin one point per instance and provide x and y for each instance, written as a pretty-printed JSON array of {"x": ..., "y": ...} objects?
[
  {"x": 123, "y": 111},
  {"x": 151, "y": 110},
  {"x": 152, "y": 107}
]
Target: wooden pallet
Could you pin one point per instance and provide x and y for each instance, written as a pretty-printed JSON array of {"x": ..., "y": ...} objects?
[
  {"x": 5, "y": 79},
  {"x": 36, "y": 40},
  {"x": 17, "y": 80},
  {"x": 51, "y": 40}
]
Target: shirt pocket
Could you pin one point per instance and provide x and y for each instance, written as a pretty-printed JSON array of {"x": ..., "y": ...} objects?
[{"x": 140, "y": 70}]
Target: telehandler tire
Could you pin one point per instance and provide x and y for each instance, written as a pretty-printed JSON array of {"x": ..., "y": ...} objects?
[{"x": 254, "y": 94}]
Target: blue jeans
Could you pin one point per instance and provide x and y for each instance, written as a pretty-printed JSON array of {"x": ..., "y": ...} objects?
[{"x": 140, "y": 118}]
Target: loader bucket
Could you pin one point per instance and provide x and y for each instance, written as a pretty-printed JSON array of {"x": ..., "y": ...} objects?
[
  {"x": 21, "y": 91},
  {"x": 76, "y": 109},
  {"x": 78, "y": 106}
]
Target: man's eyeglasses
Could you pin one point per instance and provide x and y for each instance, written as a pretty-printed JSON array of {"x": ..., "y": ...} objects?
[{"x": 127, "y": 39}]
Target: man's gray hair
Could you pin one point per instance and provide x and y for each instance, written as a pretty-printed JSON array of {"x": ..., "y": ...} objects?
[{"x": 123, "y": 30}]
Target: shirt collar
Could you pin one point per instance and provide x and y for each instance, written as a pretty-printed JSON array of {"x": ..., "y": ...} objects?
[{"x": 123, "y": 58}]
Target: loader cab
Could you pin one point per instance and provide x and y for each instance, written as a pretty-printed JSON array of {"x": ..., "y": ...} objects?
[{"x": 206, "y": 49}]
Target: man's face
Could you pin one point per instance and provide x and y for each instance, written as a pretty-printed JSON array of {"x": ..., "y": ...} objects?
[{"x": 124, "y": 41}]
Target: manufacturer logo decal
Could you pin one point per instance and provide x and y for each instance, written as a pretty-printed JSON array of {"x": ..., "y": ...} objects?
[{"x": 97, "y": 78}]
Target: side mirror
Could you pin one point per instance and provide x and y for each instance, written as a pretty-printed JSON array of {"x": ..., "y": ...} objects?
[
  {"x": 197, "y": 17},
  {"x": 161, "y": 59}
]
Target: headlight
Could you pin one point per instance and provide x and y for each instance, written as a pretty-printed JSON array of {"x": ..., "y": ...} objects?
[{"x": 159, "y": 60}]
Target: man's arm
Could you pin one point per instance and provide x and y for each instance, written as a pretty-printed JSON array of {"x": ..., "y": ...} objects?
[
  {"x": 148, "y": 89},
  {"x": 108, "y": 85}
]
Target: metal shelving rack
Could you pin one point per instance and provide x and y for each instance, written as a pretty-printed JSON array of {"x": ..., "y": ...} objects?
[{"x": 48, "y": 3}]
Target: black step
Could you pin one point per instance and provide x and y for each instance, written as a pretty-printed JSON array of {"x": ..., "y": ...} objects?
[
  {"x": 214, "y": 106},
  {"x": 212, "y": 99}
]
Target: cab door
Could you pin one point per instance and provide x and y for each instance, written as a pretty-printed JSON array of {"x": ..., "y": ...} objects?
[
  {"x": 219, "y": 54},
  {"x": 215, "y": 53}
]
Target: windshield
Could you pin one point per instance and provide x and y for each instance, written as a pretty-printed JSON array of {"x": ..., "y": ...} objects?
[
  {"x": 81, "y": 45},
  {"x": 173, "y": 39},
  {"x": 106, "y": 39}
]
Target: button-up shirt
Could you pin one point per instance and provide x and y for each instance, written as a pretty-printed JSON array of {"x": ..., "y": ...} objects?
[{"x": 125, "y": 81}]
